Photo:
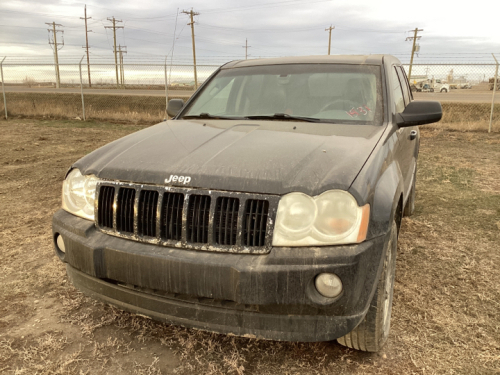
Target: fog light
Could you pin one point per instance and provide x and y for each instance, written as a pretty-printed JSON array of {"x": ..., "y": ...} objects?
[
  {"x": 328, "y": 285},
  {"x": 60, "y": 244}
]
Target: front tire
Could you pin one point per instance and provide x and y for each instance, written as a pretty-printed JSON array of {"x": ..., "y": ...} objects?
[{"x": 371, "y": 334}]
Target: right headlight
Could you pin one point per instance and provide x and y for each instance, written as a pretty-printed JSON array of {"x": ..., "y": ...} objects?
[
  {"x": 78, "y": 194},
  {"x": 331, "y": 218}
]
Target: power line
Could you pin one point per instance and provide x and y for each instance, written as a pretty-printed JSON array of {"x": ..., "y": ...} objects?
[
  {"x": 172, "y": 49},
  {"x": 262, "y": 5}
]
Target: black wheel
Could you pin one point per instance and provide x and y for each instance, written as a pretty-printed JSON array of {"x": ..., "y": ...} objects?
[
  {"x": 371, "y": 334},
  {"x": 410, "y": 203},
  {"x": 444, "y": 90},
  {"x": 432, "y": 90}
]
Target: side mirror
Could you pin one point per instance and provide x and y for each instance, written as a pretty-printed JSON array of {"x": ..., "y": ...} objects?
[
  {"x": 420, "y": 112},
  {"x": 174, "y": 106}
]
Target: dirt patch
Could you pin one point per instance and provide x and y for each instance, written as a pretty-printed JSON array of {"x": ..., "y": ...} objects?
[{"x": 445, "y": 317}]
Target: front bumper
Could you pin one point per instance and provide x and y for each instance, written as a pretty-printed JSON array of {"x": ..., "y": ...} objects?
[{"x": 270, "y": 296}]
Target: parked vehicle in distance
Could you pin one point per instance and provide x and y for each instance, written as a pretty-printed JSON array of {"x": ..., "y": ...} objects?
[
  {"x": 492, "y": 83},
  {"x": 430, "y": 85},
  {"x": 268, "y": 207}
]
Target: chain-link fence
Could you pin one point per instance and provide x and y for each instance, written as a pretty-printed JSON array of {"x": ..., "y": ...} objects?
[
  {"x": 137, "y": 92},
  {"x": 132, "y": 93},
  {"x": 464, "y": 90}
]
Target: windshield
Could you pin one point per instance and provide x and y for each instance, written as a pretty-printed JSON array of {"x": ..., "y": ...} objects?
[{"x": 327, "y": 92}]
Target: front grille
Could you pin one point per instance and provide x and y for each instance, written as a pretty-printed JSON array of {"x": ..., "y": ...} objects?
[{"x": 187, "y": 218}]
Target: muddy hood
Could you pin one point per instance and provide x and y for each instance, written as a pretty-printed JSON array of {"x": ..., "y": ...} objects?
[{"x": 265, "y": 157}]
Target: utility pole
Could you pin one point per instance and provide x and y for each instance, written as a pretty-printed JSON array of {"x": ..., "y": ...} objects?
[
  {"x": 122, "y": 69},
  {"x": 55, "y": 48},
  {"x": 114, "y": 27},
  {"x": 414, "y": 38},
  {"x": 330, "y": 37},
  {"x": 87, "y": 42},
  {"x": 192, "y": 14},
  {"x": 246, "y": 47}
]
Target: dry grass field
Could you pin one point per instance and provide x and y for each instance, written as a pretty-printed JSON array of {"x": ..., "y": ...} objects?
[
  {"x": 151, "y": 109},
  {"x": 118, "y": 108},
  {"x": 447, "y": 297}
]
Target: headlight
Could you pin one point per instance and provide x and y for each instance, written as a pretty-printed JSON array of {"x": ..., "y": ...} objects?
[
  {"x": 78, "y": 194},
  {"x": 331, "y": 218}
]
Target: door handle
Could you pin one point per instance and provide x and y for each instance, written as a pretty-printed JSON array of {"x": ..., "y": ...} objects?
[{"x": 413, "y": 135}]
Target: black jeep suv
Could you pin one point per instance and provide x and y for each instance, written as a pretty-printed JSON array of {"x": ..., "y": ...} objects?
[{"x": 268, "y": 207}]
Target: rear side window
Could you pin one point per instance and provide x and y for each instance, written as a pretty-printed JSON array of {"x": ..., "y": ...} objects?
[{"x": 397, "y": 92}]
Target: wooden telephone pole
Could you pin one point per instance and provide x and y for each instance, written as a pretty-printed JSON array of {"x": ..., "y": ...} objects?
[
  {"x": 114, "y": 27},
  {"x": 122, "y": 69},
  {"x": 330, "y": 37},
  {"x": 414, "y": 38},
  {"x": 192, "y": 14},
  {"x": 87, "y": 42},
  {"x": 55, "y": 47},
  {"x": 246, "y": 47}
]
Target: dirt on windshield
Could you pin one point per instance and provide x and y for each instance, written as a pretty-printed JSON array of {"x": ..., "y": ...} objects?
[{"x": 445, "y": 316}]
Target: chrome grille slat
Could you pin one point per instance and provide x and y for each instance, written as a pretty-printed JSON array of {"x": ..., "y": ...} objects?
[
  {"x": 147, "y": 213},
  {"x": 172, "y": 216},
  {"x": 256, "y": 216},
  {"x": 187, "y": 218},
  {"x": 225, "y": 222},
  {"x": 106, "y": 198},
  {"x": 198, "y": 216},
  {"x": 125, "y": 210}
]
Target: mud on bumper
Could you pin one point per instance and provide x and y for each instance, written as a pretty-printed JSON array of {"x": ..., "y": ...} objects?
[{"x": 270, "y": 296}]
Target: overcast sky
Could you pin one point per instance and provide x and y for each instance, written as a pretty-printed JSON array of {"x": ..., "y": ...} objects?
[{"x": 154, "y": 29}]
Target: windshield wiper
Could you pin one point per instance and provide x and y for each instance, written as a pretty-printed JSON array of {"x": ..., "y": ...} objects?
[
  {"x": 284, "y": 116},
  {"x": 205, "y": 115}
]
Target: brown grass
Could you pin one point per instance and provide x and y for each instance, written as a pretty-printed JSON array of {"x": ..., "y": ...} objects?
[
  {"x": 469, "y": 116},
  {"x": 123, "y": 108},
  {"x": 445, "y": 317},
  {"x": 150, "y": 110}
]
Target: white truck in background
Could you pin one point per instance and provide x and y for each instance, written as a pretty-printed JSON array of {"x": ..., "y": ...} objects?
[{"x": 429, "y": 85}]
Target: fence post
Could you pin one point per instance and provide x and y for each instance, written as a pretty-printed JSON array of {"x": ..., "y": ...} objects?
[
  {"x": 494, "y": 91},
  {"x": 166, "y": 89},
  {"x": 81, "y": 87},
  {"x": 3, "y": 88}
]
